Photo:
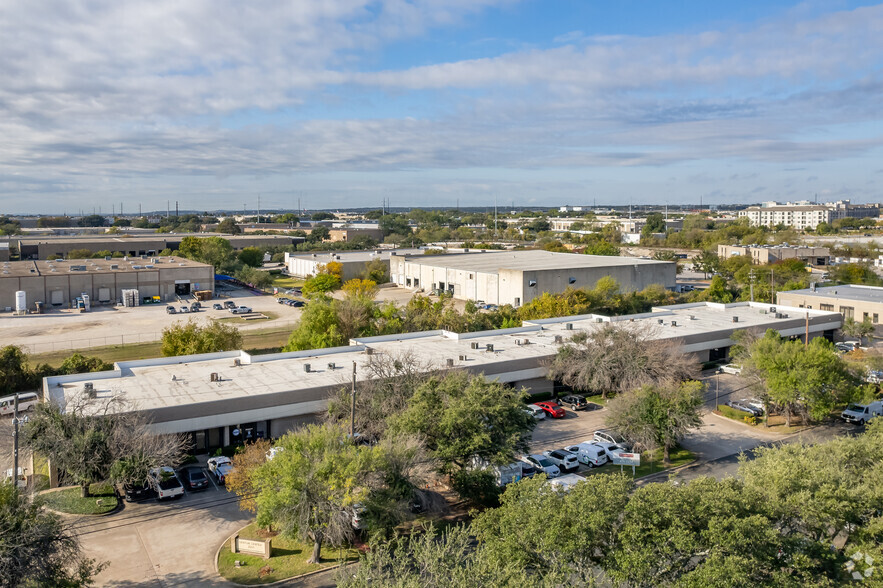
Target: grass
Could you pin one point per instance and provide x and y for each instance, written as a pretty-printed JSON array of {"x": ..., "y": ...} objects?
[
  {"x": 268, "y": 340},
  {"x": 597, "y": 399},
  {"x": 288, "y": 559},
  {"x": 103, "y": 500},
  {"x": 651, "y": 463},
  {"x": 280, "y": 281}
]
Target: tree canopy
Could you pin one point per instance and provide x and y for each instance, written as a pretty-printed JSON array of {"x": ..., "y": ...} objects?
[{"x": 191, "y": 338}]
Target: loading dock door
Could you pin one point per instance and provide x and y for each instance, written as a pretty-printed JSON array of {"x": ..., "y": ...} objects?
[
  {"x": 182, "y": 289},
  {"x": 56, "y": 298},
  {"x": 103, "y": 294}
]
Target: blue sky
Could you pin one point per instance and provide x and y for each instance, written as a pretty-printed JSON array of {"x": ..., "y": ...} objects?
[{"x": 343, "y": 103}]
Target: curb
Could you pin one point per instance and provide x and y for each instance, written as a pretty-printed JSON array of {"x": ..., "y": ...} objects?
[{"x": 277, "y": 582}]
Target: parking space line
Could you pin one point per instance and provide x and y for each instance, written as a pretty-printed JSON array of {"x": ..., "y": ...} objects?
[{"x": 209, "y": 476}]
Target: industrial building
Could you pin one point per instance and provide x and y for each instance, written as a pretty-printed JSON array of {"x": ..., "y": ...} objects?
[
  {"x": 4, "y": 250},
  {"x": 50, "y": 247},
  {"x": 57, "y": 283},
  {"x": 765, "y": 254},
  {"x": 805, "y": 215},
  {"x": 304, "y": 265},
  {"x": 853, "y": 301},
  {"x": 517, "y": 277},
  {"x": 223, "y": 398}
]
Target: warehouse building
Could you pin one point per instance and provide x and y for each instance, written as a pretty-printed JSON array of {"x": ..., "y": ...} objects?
[
  {"x": 766, "y": 254},
  {"x": 517, "y": 277},
  {"x": 224, "y": 398},
  {"x": 57, "y": 283},
  {"x": 4, "y": 250},
  {"x": 853, "y": 301},
  {"x": 304, "y": 265},
  {"x": 49, "y": 247}
]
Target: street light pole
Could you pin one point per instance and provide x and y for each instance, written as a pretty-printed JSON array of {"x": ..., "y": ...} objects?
[
  {"x": 353, "y": 407},
  {"x": 717, "y": 387},
  {"x": 15, "y": 443}
]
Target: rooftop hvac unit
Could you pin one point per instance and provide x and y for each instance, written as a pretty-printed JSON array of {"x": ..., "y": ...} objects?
[
  {"x": 599, "y": 320},
  {"x": 449, "y": 362},
  {"x": 692, "y": 317},
  {"x": 213, "y": 377},
  {"x": 763, "y": 311},
  {"x": 735, "y": 319},
  {"x": 489, "y": 347},
  {"x": 568, "y": 326},
  {"x": 474, "y": 345},
  {"x": 660, "y": 321},
  {"x": 307, "y": 368},
  {"x": 237, "y": 362},
  {"x": 674, "y": 323},
  {"x": 89, "y": 389},
  {"x": 369, "y": 351},
  {"x": 332, "y": 365},
  {"x": 462, "y": 358},
  {"x": 559, "y": 339},
  {"x": 107, "y": 258},
  {"x": 114, "y": 266},
  {"x": 772, "y": 309}
]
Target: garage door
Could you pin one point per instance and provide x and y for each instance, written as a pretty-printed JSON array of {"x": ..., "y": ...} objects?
[
  {"x": 103, "y": 294},
  {"x": 57, "y": 297}
]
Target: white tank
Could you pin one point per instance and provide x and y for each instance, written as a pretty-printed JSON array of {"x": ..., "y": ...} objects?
[{"x": 21, "y": 301}]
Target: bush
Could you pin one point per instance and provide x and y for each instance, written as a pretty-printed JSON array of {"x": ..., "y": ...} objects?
[{"x": 477, "y": 486}]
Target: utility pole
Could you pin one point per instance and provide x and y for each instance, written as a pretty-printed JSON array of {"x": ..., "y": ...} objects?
[
  {"x": 495, "y": 216},
  {"x": 772, "y": 286},
  {"x": 717, "y": 387},
  {"x": 806, "y": 333},
  {"x": 751, "y": 283},
  {"x": 15, "y": 443},
  {"x": 259, "y": 208},
  {"x": 352, "y": 406}
]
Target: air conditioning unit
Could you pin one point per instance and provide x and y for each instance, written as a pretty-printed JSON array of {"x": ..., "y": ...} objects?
[
  {"x": 735, "y": 319},
  {"x": 237, "y": 362},
  {"x": 332, "y": 366},
  {"x": 462, "y": 358},
  {"x": 660, "y": 321},
  {"x": 474, "y": 345},
  {"x": 449, "y": 362},
  {"x": 599, "y": 320},
  {"x": 559, "y": 339},
  {"x": 674, "y": 323},
  {"x": 568, "y": 326},
  {"x": 89, "y": 389},
  {"x": 307, "y": 368},
  {"x": 489, "y": 347},
  {"x": 369, "y": 351},
  {"x": 213, "y": 377}
]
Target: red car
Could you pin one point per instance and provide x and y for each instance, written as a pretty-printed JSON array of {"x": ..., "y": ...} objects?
[{"x": 552, "y": 409}]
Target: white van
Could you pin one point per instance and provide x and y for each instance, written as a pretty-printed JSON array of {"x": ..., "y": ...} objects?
[
  {"x": 26, "y": 402},
  {"x": 862, "y": 413},
  {"x": 590, "y": 454}
]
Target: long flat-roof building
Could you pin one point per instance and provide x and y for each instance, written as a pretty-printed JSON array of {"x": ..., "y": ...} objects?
[
  {"x": 853, "y": 301},
  {"x": 517, "y": 277},
  {"x": 806, "y": 215},
  {"x": 220, "y": 398},
  {"x": 304, "y": 265},
  {"x": 765, "y": 254},
  {"x": 57, "y": 283}
]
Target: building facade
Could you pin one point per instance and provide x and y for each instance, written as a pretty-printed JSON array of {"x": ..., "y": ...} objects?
[
  {"x": 517, "y": 277},
  {"x": 853, "y": 301},
  {"x": 766, "y": 254},
  {"x": 806, "y": 216}
]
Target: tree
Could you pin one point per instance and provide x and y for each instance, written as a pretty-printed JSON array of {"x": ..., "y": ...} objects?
[
  {"x": 36, "y": 547},
  {"x": 92, "y": 220},
  {"x": 707, "y": 262},
  {"x": 853, "y": 328},
  {"x": 602, "y": 248},
  {"x": 318, "y": 327},
  {"x": 320, "y": 284},
  {"x": 443, "y": 411},
  {"x": 616, "y": 359},
  {"x": 14, "y": 371},
  {"x": 805, "y": 379},
  {"x": 655, "y": 222},
  {"x": 394, "y": 224},
  {"x": 252, "y": 256},
  {"x": 377, "y": 270},
  {"x": 717, "y": 291},
  {"x": 245, "y": 461},
  {"x": 79, "y": 254},
  {"x": 318, "y": 234},
  {"x": 357, "y": 288},
  {"x": 229, "y": 226},
  {"x": 191, "y": 338},
  {"x": 76, "y": 363},
  {"x": 322, "y": 215},
  {"x": 93, "y": 440},
  {"x": 215, "y": 251},
  {"x": 658, "y": 416}
]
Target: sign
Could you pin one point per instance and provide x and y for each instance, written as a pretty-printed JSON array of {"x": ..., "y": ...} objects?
[
  {"x": 632, "y": 459},
  {"x": 251, "y": 546}
]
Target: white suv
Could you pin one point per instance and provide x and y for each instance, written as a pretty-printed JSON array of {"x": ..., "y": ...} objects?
[
  {"x": 543, "y": 464},
  {"x": 240, "y": 310},
  {"x": 565, "y": 460}
]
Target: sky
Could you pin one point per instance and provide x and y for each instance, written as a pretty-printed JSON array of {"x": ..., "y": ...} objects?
[{"x": 215, "y": 104}]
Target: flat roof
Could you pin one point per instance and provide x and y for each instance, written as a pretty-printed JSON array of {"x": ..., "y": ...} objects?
[
  {"x": 530, "y": 260},
  {"x": 855, "y": 292},
  {"x": 353, "y": 256},
  {"x": 123, "y": 238},
  {"x": 178, "y": 382},
  {"x": 18, "y": 269}
]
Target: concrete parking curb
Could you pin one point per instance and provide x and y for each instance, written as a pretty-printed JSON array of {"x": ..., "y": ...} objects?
[{"x": 277, "y": 582}]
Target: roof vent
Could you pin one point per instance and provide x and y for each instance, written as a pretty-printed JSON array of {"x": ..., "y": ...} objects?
[
  {"x": 660, "y": 321},
  {"x": 568, "y": 326},
  {"x": 559, "y": 339},
  {"x": 772, "y": 309},
  {"x": 489, "y": 347},
  {"x": 213, "y": 377},
  {"x": 474, "y": 345},
  {"x": 369, "y": 351},
  {"x": 462, "y": 358},
  {"x": 449, "y": 362},
  {"x": 674, "y": 323},
  {"x": 307, "y": 368},
  {"x": 237, "y": 362},
  {"x": 332, "y": 366},
  {"x": 599, "y": 320},
  {"x": 89, "y": 389},
  {"x": 735, "y": 319}
]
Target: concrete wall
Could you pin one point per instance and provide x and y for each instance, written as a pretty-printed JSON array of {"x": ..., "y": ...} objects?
[
  {"x": 158, "y": 282},
  {"x": 303, "y": 267}
]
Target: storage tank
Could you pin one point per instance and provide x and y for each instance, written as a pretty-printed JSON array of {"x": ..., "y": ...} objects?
[{"x": 21, "y": 301}]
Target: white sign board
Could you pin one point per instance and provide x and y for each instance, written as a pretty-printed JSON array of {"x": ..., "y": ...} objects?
[{"x": 632, "y": 459}]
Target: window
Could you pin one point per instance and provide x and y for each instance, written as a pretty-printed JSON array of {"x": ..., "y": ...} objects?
[
  {"x": 847, "y": 312},
  {"x": 876, "y": 318},
  {"x": 865, "y": 317},
  {"x": 826, "y": 307}
]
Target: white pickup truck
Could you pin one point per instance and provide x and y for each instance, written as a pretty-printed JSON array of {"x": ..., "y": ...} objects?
[{"x": 862, "y": 413}]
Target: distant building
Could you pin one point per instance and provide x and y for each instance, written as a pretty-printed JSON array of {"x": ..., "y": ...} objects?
[
  {"x": 568, "y": 208},
  {"x": 4, "y": 251},
  {"x": 853, "y": 301},
  {"x": 626, "y": 225},
  {"x": 766, "y": 254},
  {"x": 517, "y": 277},
  {"x": 304, "y": 265},
  {"x": 804, "y": 215}
]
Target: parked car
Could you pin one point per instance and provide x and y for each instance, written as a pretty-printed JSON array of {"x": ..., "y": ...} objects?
[
  {"x": 536, "y": 411},
  {"x": 136, "y": 492},
  {"x": 26, "y": 403},
  {"x": 862, "y": 413},
  {"x": 171, "y": 310},
  {"x": 611, "y": 449},
  {"x": 744, "y": 407},
  {"x": 229, "y": 304},
  {"x": 843, "y": 347},
  {"x": 358, "y": 520},
  {"x": 217, "y": 306},
  {"x": 589, "y": 453},
  {"x": 610, "y": 436},
  {"x": 166, "y": 483},
  {"x": 240, "y": 310},
  {"x": 552, "y": 409},
  {"x": 732, "y": 368},
  {"x": 194, "y": 478},
  {"x": 183, "y": 309},
  {"x": 527, "y": 470},
  {"x": 195, "y": 307},
  {"x": 755, "y": 403},
  {"x": 220, "y": 466},
  {"x": 297, "y": 303},
  {"x": 542, "y": 464},
  {"x": 874, "y": 377},
  {"x": 21, "y": 479},
  {"x": 565, "y": 460},
  {"x": 283, "y": 300},
  {"x": 574, "y": 402}
]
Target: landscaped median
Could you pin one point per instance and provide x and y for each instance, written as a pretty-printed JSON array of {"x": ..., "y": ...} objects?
[
  {"x": 775, "y": 422},
  {"x": 288, "y": 559},
  {"x": 651, "y": 463},
  {"x": 103, "y": 499}
]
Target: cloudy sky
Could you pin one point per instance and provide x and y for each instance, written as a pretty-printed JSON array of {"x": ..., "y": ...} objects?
[{"x": 341, "y": 103}]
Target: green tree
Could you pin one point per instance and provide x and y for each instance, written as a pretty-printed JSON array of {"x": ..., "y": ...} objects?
[
  {"x": 320, "y": 284},
  {"x": 36, "y": 547},
  {"x": 318, "y": 328},
  {"x": 322, "y": 215},
  {"x": 255, "y": 277},
  {"x": 658, "y": 416},
  {"x": 377, "y": 270},
  {"x": 79, "y": 254},
  {"x": 76, "y": 363},
  {"x": 805, "y": 379},
  {"x": 228, "y": 226},
  {"x": 853, "y": 328},
  {"x": 191, "y": 338},
  {"x": 394, "y": 224},
  {"x": 602, "y": 248},
  {"x": 616, "y": 359},
  {"x": 15, "y": 374},
  {"x": 251, "y": 256},
  {"x": 854, "y": 273},
  {"x": 443, "y": 411},
  {"x": 92, "y": 220},
  {"x": 707, "y": 262},
  {"x": 655, "y": 222},
  {"x": 717, "y": 291}
]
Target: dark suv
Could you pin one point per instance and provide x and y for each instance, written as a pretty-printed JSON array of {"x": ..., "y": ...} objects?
[
  {"x": 574, "y": 402},
  {"x": 136, "y": 492}
]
